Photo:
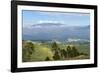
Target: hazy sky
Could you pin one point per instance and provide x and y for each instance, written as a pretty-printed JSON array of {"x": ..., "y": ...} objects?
[{"x": 68, "y": 19}]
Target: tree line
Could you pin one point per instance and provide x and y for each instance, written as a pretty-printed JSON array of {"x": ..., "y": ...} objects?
[{"x": 61, "y": 54}]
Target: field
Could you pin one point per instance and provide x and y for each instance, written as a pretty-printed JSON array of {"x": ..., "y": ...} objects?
[{"x": 33, "y": 51}]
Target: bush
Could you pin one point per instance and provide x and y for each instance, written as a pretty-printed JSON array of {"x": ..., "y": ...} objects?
[{"x": 47, "y": 59}]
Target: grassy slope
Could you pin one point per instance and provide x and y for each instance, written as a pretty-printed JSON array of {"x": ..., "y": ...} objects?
[
  {"x": 41, "y": 52},
  {"x": 44, "y": 50}
]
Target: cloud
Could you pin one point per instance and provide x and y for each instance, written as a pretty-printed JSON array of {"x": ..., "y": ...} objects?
[
  {"x": 50, "y": 21},
  {"x": 63, "y": 13},
  {"x": 50, "y": 13}
]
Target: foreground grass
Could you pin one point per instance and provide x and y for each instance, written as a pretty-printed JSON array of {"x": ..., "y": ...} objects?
[{"x": 44, "y": 52}]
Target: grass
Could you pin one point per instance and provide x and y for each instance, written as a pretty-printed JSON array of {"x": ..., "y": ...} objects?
[
  {"x": 41, "y": 52},
  {"x": 44, "y": 49}
]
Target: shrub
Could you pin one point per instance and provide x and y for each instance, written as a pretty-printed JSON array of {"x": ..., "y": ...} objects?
[{"x": 47, "y": 59}]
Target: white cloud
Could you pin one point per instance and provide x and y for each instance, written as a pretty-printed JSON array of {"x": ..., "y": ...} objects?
[{"x": 50, "y": 21}]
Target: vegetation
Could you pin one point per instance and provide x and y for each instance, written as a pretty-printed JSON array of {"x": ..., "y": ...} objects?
[
  {"x": 50, "y": 51},
  {"x": 28, "y": 49},
  {"x": 47, "y": 59}
]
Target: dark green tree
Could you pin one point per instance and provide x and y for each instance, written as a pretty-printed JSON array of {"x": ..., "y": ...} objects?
[
  {"x": 69, "y": 52},
  {"x": 27, "y": 50},
  {"x": 63, "y": 53},
  {"x": 72, "y": 52},
  {"x": 30, "y": 47},
  {"x": 56, "y": 56},
  {"x": 47, "y": 59},
  {"x": 75, "y": 52},
  {"x": 54, "y": 46}
]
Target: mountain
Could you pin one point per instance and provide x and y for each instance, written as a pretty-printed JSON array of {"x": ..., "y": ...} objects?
[
  {"x": 50, "y": 31},
  {"x": 47, "y": 24}
]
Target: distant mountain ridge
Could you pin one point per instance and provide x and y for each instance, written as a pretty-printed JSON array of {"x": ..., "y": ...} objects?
[
  {"x": 47, "y": 24},
  {"x": 49, "y": 31}
]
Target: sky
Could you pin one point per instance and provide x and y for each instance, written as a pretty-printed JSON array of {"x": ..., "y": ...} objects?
[{"x": 65, "y": 18}]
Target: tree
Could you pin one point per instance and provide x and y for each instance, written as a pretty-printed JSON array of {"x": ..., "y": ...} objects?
[
  {"x": 74, "y": 51},
  {"x": 54, "y": 46},
  {"x": 69, "y": 52},
  {"x": 30, "y": 47},
  {"x": 63, "y": 53},
  {"x": 56, "y": 56},
  {"x": 27, "y": 50},
  {"x": 47, "y": 59}
]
